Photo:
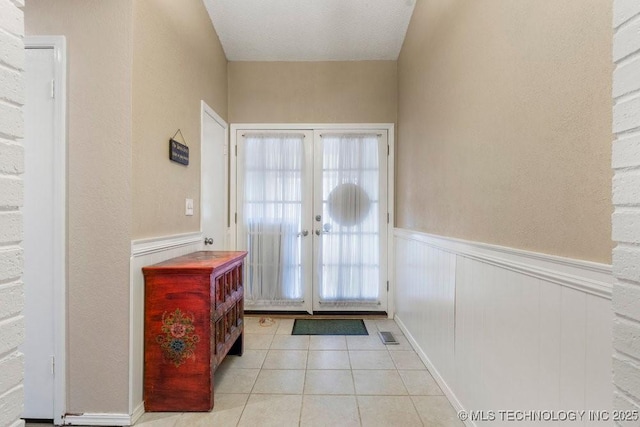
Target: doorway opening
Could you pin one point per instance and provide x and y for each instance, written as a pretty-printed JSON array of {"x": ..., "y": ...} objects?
[{"x": 313, "y": 209}]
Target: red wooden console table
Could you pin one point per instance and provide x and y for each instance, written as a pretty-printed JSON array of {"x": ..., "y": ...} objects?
[{"x": 193, "y": 318}]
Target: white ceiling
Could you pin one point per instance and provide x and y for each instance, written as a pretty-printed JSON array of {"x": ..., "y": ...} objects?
[{"x": 310, "y": 30}]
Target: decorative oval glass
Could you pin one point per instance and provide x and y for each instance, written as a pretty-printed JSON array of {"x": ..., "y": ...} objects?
[{"x": 348, "y": 204}]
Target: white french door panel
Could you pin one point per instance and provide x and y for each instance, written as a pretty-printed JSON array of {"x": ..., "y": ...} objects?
[
  {"x": 274, "y": 217},
  {"x": 350, "y": 220}
]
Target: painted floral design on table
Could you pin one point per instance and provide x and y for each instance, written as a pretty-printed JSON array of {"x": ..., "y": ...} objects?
[{"x": 178, "y": 339}]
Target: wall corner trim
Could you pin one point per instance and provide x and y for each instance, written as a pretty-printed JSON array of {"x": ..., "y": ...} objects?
[
  {"x": 137, "y": 413},
  {"x": 590, "y": 277}
]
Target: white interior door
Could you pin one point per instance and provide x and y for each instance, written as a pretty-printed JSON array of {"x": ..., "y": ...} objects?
[
  {"x": 350, "y": 220},
  {"x": 214, "y": 195},
  {"x": 39, "y": 239},
  {"x": 312, "y": 213}
]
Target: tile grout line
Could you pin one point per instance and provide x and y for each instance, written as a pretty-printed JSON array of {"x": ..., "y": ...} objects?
[
  {"x": 353, "y": 379},
  {"x": 254, "y": 385},
  {"x": 304, "y": 384}
]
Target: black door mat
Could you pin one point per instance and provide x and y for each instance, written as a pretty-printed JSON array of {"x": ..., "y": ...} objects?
[{"x": 329, "y": 327}]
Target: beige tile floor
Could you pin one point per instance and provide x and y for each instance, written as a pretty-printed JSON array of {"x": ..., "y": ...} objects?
[{"x": 284, "y": 380}]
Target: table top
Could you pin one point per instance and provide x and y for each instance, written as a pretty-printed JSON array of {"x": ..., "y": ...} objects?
[{"x": 196, "y": 262}]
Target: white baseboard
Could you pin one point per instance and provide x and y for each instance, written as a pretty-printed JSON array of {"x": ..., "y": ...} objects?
[
  {"x": 433, "y": 370},
  {"x": 98, "y": 419}
]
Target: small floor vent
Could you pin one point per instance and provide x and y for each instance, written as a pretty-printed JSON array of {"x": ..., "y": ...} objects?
[{"x": 387, "y": 338}]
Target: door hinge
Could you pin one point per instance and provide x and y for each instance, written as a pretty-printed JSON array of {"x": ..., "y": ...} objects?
[
  {"x": 236, "y": 150},
  {"x": 53, "y": 88},
  {"x": 387, "y": 217},
  {"x": 235, "y": 217},
  {"x": 388, "y": 150},
  {"x": 387, "y": 286},
  {"x": 53, "y": 365}
]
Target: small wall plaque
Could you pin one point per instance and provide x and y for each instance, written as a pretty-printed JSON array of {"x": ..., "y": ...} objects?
[{"x": 178, "y": 152}]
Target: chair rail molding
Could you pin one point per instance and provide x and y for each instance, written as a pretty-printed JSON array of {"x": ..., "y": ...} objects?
[
  {"x": 148, "y": 246},
  {"x": 586, "y": 276}
]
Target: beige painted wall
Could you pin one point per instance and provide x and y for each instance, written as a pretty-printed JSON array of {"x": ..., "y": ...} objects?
[
  {"x": 177, "y": 61},
  {"x": 505, "y": 124},
  {"x": 313, "y": 92},
  {"x": 99, "y": 37}
]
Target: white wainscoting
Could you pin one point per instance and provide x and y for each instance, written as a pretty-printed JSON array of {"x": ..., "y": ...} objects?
[
  {"x": 501, "y": 328},
  {"x": 148, "y": 252}
]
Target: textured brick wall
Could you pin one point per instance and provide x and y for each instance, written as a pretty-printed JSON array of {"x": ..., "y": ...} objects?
[
  {"x": 11, "y": 169},
  {"x": 626, "y": 199}
]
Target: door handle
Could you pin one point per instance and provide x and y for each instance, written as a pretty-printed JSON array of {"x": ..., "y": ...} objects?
[
  {"x": 326, "y": 228},
  {"x": 304, "y": 233}
]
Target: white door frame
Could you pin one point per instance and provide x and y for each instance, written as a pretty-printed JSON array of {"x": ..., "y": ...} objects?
[
  {"x": 390, "y": 127},
  {"x": 205, "y": 109},
  {"x": 59, "y": 46}
]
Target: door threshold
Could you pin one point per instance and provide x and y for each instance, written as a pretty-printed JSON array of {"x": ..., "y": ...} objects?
[
  {"x": 278, "y": 313},
  {"x": 352, "y": 313},
  {"x": 318, "y": 314}
]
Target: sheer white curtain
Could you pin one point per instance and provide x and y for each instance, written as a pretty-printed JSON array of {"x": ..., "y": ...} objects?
[
  {"x": 350, "y": 264},
  {"x": 273, "y": 216}
]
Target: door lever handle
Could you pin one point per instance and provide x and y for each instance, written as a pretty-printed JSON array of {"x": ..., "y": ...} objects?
[{"x": 326, "y": 228}]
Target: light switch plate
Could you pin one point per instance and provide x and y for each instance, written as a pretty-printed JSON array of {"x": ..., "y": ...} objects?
[{"x": 188, "y": 207}]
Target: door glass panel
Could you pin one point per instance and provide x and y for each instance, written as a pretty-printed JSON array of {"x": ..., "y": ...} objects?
[
  {"x": 272, "y": 215},
  {"x": 350, "y": 227}
]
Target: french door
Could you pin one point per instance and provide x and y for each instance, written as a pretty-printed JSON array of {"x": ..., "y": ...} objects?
[{"x": 312, "y": 213}]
